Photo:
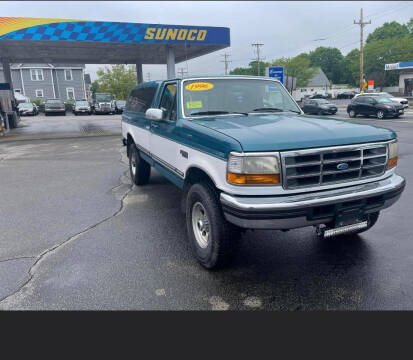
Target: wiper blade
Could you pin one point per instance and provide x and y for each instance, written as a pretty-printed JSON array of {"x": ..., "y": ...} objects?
[
  {"x": 218, "y": 112},
  {"x": 270, "y": 109}
]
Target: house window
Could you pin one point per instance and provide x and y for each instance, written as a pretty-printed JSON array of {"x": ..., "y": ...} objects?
[
  {"x": 36, "y": 74},
  {"x": 39, "y": 93},
  {"x": 70, "y": 92},
  {"x": 68, "y": 74}
]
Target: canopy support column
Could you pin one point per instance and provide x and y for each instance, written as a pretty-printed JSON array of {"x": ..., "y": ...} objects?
[
  {"x": 7, "y": 72},
  {"x": 170, "y": 62},
  {"x": 139, "y": 75}
]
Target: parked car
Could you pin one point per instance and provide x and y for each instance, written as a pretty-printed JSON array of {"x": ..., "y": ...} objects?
[
  {"x": 400, "y": 100},
  {"x": 346, "y": 95},
  {"x": 119, "y": 106},
  {"x": 318, "y": 106},
  {"x": 318, "y": 96},
  {"x": 81, "y": 107},
  {"x": 27, "y": 109},
  {"x": 379, "y": 106},
  {"x": 103, "y": 103},
  {"x": 54, "y": 106},
  {"x": 246, "y": 157}
]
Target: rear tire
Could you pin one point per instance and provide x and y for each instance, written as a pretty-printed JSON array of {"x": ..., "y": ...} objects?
[
  {"x": 140, "y": 170},
  {"x": 352, "y": 114},
  {"x": 215, "y": 241}
]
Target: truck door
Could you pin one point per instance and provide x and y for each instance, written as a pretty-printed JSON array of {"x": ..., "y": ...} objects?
[
  {"x": 163, "y": 141},
  {"x": 139, "y": 101}
]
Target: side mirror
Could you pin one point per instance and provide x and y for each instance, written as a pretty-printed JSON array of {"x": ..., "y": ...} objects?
[{"x": 154, "y": 114}]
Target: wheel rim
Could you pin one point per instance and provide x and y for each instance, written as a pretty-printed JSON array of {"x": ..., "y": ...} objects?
[
  {"x": 352, "y": 113},
  {"x": 200, "y": 225},
  {"x": 380, "y": 114},
  {"x": 133, "y": 163}
]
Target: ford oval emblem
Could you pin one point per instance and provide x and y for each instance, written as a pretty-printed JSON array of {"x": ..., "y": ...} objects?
[{"x": 342, "y": 166}]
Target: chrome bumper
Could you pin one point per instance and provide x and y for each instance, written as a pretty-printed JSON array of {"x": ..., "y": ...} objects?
[{"x": 321, "y": 207}]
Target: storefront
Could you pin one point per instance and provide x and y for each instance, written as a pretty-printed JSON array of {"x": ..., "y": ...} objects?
[{"x": 405, "y": 78}]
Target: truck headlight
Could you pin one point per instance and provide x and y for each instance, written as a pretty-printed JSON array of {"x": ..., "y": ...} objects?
[
  {"x": 253, "y": 170},
  {"x": 393, "y": 154}
]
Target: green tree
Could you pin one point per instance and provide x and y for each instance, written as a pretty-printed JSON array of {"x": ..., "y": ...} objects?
[
  {"x": 329, "y": 60},
  {"x": 381, "y": 52},
  {"x": 298, "y": 67},
  {"x": 409, "y": 26},
  {"x": 350, "y": 68},
  {"x": 117, "y": 80},
  {"x": 94, "y": 88},
  {"x": 252, "y": 69},
  {"x": 388, "y": 30}
]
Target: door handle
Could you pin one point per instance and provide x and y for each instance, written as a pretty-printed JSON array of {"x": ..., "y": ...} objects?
[{"x": 155, "y": 126}]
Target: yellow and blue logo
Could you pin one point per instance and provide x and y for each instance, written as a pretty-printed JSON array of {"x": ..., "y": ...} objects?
[{"x": 79, "y": 30}]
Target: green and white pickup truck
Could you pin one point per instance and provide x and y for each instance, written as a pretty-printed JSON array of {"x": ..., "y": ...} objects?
[{"x": 246, "y": 157}]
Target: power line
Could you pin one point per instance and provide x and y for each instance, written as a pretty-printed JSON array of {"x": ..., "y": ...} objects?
[
  {"x": 362, "y": 25},
  {"x": 258, "y": 55},
  {"x": 226, "y": 61}
]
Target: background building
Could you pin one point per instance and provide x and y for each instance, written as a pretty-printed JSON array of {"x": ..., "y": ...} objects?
[{"x": 47, "y": 81}]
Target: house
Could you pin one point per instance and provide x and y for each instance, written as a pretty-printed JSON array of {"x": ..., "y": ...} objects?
[
  {"x": 45, "y": 81},
  {"x": 318, "y": 84}
]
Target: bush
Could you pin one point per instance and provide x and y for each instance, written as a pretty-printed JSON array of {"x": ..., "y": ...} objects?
[
  {"x": 69, "y": 104},
  {"x": 39, "y": 103}
]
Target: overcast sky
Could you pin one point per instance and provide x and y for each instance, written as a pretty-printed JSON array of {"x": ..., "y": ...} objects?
[{"x": 285, "y": 28}]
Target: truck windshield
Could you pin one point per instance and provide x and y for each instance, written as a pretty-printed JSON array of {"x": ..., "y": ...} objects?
[
  {"x": 54, "y": 101},
  {"x": 103, "y": 97},
  {"x": 228, "y": 96},
  {"x": 25, "y": 106},
  {"x": 82, "y": 103}
]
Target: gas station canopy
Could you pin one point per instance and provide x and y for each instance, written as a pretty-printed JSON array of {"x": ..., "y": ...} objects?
[{"x": 34, "y": 40}]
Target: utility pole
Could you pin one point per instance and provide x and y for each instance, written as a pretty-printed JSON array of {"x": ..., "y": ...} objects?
[
  {"x": 226, "y": 56},
  {"x": 182, "y": 71},
  {"x": 362, "y": 24},
  {"x": 258, "y": 56}
]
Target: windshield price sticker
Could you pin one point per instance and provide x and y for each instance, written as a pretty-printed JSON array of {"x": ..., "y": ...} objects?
[
  {"x": 199, "y": 86},
  {"x": 194, "y": 104}
]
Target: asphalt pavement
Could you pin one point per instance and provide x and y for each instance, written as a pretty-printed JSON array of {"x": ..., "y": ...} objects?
[{"x": 77, "y": 235}]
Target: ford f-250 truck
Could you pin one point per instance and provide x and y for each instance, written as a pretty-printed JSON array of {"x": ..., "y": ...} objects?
[{"x": 246, "y": 157}]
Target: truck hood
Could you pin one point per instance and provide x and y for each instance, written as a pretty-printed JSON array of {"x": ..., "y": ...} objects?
[{"x": 278, "y": 132}]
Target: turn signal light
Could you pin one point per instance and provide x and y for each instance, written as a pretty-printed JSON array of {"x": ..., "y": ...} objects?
[
  {"x": 392, "y": 162},
  {"x": 243, "y": 179}
]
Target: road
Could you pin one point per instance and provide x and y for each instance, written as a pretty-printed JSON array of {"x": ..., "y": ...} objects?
[{"x": 77, "y": 235}]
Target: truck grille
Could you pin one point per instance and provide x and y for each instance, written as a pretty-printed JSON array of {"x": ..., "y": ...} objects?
[{"x": 326, "y": 166}]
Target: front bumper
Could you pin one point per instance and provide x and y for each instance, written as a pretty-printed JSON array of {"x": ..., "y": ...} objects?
[
  {"x": 321, "y": 207},
  {"x": 54, "y": 110}
]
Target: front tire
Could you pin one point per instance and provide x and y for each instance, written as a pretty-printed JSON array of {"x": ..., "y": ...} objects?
[
  {"x": 215, "y": 241},
  {"x": 140, "y": 170},
  {"x": 380, "y": 114}
]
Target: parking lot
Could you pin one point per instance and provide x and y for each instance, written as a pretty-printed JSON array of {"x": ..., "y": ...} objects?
[{"x": 77, "y": 235}]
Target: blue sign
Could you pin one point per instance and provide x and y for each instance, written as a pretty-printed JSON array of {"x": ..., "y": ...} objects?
[{"x": 276, "y": 72}]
